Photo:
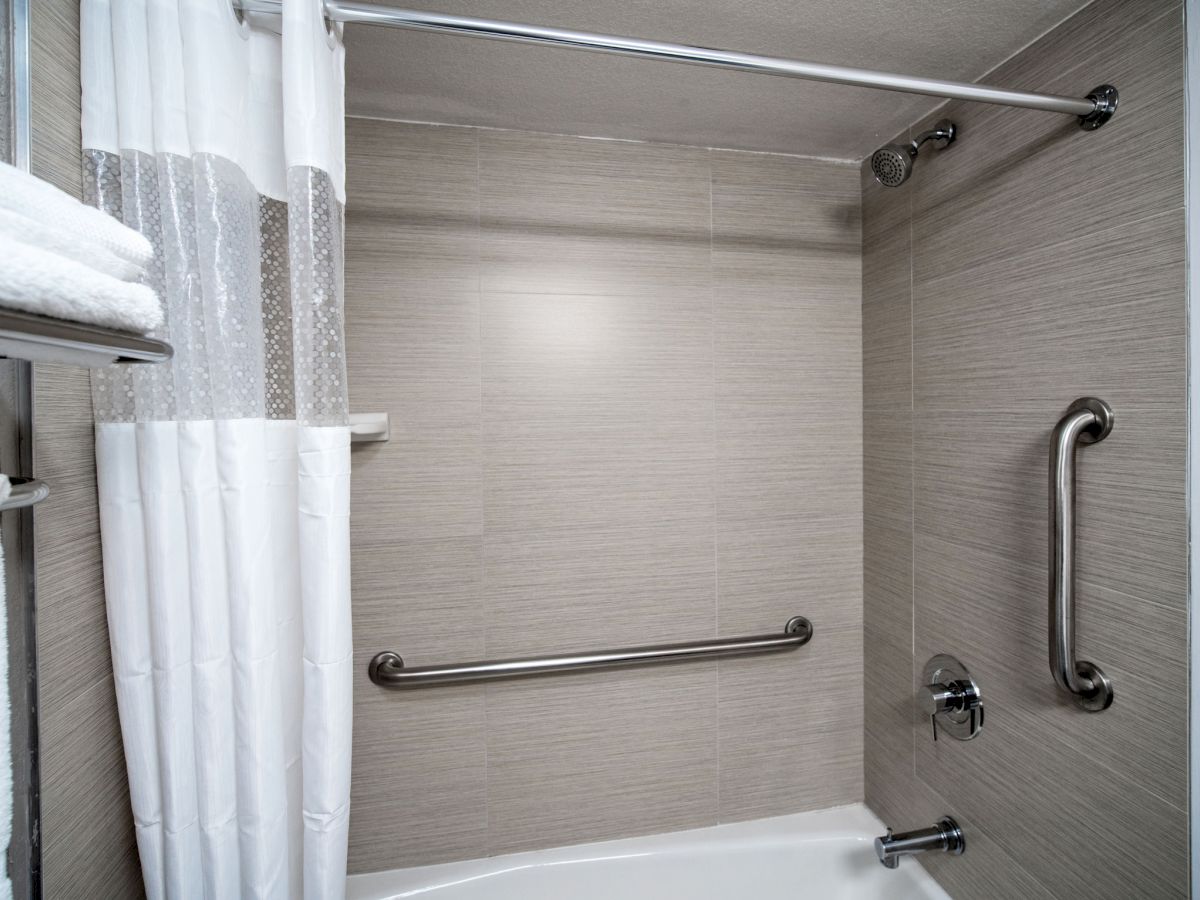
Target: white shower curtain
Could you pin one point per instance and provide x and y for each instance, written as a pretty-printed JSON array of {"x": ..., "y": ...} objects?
[{"x": 224, "y": 476}]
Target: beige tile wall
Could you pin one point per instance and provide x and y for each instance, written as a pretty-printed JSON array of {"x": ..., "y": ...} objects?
[
  {"x": 624, "y": 382},
  {"x": 1030, "y": 264},
  {"x": 88, "y": 847}
]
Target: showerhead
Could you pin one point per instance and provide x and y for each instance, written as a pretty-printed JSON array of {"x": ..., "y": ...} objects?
[{"x": 891, "y": 165}]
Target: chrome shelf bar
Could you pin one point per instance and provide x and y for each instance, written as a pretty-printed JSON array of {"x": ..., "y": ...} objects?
[
  {"x": 25, "y": 492},
  {"x": 1092, "y": 110},
  {"x": 43, "y": 339},
  {"x": 387, "y": 669}
]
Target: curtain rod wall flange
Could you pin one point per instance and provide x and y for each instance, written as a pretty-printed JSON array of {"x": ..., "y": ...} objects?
[{"x": 1092, "y": 111}]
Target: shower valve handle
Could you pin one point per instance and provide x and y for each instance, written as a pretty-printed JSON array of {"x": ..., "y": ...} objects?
[{"x": 957, "y": 701}]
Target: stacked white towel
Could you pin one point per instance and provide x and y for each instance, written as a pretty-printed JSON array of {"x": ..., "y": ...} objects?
[{"x": 61, "y": 258}]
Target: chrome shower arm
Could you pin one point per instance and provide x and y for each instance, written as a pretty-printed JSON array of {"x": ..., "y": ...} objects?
[{"x": 943, "y": 132}]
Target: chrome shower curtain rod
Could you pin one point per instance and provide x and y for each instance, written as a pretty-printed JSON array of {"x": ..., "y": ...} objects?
[{"x": 1093, "y": 110}]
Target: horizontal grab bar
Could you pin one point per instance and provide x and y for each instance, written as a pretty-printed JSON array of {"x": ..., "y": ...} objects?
[{"x": 387, "y": 669}]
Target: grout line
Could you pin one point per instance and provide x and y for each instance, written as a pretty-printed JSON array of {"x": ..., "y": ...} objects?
[
  {"x": 487, "y": 826},
  {"x": 912, "y": 471},
  {"x": 839, "y": 160},
  {"x": 716, "y": 528}
]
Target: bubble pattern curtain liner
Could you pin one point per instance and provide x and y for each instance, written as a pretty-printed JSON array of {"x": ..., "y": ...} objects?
[
  {"x": 224, "y": 474},
  {"x": 228, "y": 263}
]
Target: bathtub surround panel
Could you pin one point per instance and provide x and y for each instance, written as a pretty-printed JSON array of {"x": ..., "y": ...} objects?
[
  {"x": 1043, "y": 265},
  {"x": 620, "y": 377}
]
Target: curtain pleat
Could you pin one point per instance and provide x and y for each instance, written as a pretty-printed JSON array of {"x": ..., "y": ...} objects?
[
  {"x": 324, "y": 504},
  {"x": 212, "y": 669}
]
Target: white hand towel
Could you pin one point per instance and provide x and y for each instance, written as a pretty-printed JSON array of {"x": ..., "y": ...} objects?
[
  {"x": 32, "y": 197},
  {"x": 94, "y": 256},
  {"x": 38, "y": 281}
]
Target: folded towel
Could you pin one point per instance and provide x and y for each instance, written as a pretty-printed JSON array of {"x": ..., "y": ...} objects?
[
  {"x": 22, "y": 193},
  {"x": 38, "y": 281},
  {"x": 35, "y": 234}
]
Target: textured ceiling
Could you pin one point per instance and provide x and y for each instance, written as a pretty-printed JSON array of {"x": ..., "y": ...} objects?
[{"x": 466, "y": 81}]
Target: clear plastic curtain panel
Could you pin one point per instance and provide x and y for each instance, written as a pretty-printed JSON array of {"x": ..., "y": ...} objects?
[{"x": 224, "y": 476}]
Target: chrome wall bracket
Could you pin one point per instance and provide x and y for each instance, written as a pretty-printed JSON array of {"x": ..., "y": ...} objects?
[
  {"x": 951, "y": 698},
  {"x": 1105, "y": 97}
]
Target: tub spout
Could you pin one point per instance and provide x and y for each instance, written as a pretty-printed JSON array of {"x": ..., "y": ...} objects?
[{"x": 945, "y": 836}]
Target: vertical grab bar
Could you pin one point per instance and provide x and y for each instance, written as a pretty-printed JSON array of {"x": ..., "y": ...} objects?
[{"x": 1087, "y": 421}]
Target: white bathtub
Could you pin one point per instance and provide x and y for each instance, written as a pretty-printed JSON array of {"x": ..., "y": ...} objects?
[{"x": 822, "y": 855}]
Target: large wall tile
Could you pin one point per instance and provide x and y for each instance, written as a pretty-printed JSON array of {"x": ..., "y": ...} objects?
[
  {"x": 84, "y": 786},
  {"x": 412, "y": 328},
  {"x": 1019, "y": 327},
  {"x": 789, "y": 739},
  {"x": 772, "y": 568},
  {"x": 592, "y": 756},
  {"x": 622, "y": 218},
  {"x": 597, "y": 410},
  {"x": 422, "y": 753},
  {"x": 427, "y": 480},
  {"x": 788, "y": 369},
  {"x": 566, "y": 589},
  {"x": 785, "y": 227}
]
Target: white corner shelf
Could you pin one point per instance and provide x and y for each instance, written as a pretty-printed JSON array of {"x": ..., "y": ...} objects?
[{"x": 368, "y": 428}]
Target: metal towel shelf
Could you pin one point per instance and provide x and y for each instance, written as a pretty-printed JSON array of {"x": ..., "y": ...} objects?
[
  {"x": 25, "y": 492},
  {"x": 44, "y": 339},
  {"x": 387, "y": 669}
]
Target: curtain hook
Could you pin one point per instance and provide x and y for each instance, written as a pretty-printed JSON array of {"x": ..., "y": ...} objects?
[{"x": 237, "y": 7}]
